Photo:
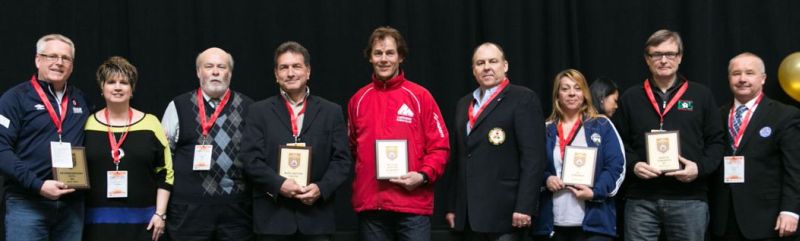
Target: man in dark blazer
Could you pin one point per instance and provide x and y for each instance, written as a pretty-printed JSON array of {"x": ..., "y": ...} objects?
[
  {"x": 284, "y": 208},
  {"x": 764, "y": 203},
  {"x": 499, "y": 162}
]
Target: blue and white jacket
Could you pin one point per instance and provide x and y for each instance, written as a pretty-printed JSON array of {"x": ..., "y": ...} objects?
[
  {"x": 600, "y": 213},
  {"x": 26, "y": 131}
]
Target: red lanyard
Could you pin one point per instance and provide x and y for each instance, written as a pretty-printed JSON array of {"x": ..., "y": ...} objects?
[
  {"x": 563, "y": 140},
  {"x": 115, "y": 145},
  {"x": 671, "y": 103},
  {"x": 474, "y": 117},
  {"x": 295, "y": 132},
  {"x": 207, "y": 124},
  {"x": 744, "y": 124},
  {"x": 50, "y": 110}
]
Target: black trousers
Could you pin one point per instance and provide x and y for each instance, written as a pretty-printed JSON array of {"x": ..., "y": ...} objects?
[
  {"x": 733, "y": 233},
  {"x": 210, "y": 222},
  {"x": 573, "y": 234}
]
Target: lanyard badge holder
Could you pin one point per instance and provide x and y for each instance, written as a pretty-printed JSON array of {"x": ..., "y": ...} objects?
[{"x": 203, "y": 152}]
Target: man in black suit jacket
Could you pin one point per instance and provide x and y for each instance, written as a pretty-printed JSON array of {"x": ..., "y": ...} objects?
[
  {"x": 500, "y": 158},
  {"x": 762, "y": 204},
  {"x": 282, "y": 208}
]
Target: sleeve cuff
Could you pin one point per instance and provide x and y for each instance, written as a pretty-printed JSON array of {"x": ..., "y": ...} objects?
[
  {"x": 37, "y": 185},
  {"x": 425, "y": 171},
  {"x": 323, "y": 194},
  {"x": 791, "y": 214},
  {"x": 165, "y": 186},
  {"x": 598, "y": 198}
]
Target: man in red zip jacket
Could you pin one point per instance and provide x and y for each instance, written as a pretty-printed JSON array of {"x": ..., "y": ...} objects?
[{"x": 392, "y": 119}]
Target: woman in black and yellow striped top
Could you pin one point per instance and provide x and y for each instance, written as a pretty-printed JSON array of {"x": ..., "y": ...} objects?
[{"x": 130, "y": 166}]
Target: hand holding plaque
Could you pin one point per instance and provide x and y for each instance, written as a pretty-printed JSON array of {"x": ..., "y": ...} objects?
[
  {"x": 391, "y": 158},
  {"x": 663, "y": 150},
  {"x": 76, "y": 177},
  {"x": 579, "y": 165},
  {"x": 294, "y": 162}
]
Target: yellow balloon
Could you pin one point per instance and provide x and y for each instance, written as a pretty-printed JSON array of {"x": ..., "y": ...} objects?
[{"x": 789, "y": 75}]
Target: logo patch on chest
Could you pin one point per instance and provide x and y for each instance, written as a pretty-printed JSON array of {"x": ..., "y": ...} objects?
[
  {"x": 404, "y": 114},
  {"x": 686, "y": 105}
]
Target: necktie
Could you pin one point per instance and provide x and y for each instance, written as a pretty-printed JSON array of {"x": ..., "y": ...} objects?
[{"x": 737, "y": 120}]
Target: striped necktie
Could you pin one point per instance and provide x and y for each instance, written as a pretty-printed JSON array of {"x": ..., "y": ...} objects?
[{"x": 737, "y": 120}]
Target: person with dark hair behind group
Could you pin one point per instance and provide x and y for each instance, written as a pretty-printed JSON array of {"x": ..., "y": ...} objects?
[
  {"x": 604, "y": 96},
  {"x": 129, "y": 162}
]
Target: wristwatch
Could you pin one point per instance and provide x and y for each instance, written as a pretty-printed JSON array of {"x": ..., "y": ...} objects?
[
  {"x": 424, "y": 177},
  {"x": 162, "y": 216}
]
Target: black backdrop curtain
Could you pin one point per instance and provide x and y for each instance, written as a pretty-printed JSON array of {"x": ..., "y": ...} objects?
[{"x": 540, "y": 38}]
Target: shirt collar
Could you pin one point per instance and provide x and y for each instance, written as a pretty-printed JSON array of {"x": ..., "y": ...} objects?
[
  {"x": 292, "y": 102},
  {"x": 213, "y": 101},
  {"x": 392, "y": 83},
  {"x": 750, "y": 103},
  {"x": 476, "y": 94},
  {"x": 52, "y": 90},
  {"x": 678, "y": 82}
]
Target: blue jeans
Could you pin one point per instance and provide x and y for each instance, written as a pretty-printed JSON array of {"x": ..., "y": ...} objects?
[
  {"x": 679, "y": 219},
  {"x": 388, "y": 226},
  {"x": 39, "y": 219}
]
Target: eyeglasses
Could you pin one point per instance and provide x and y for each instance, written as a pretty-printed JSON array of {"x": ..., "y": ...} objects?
[
  {"x": 55, "y": 58},
  {"x": 657, "y": 55}
]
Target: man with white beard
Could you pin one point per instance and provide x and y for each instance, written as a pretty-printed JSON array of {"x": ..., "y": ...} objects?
[{"x": 210, "y": 199}]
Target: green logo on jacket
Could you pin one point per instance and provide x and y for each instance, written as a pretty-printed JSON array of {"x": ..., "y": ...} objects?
[{"x": 686, "y": 105}]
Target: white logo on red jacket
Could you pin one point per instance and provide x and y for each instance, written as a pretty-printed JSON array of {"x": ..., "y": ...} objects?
[{"x": 404, "y": 114}]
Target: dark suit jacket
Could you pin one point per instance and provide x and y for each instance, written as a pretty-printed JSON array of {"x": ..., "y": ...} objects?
[
  {"x": 490, "y": 182},
  {"x": 269, "y": 127},
  {"x": 771, "y": 147}
]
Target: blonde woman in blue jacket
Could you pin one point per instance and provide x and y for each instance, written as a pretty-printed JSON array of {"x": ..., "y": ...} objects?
[{"x": 579, "y": 212}]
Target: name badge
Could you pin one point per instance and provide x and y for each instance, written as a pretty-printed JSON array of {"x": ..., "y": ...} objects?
[
  {"x": 61, "y": 154},
  {"x": 117, "y": 184},
  {"x": 202, "y": 157},
  {"x": 734, "y": 169}
]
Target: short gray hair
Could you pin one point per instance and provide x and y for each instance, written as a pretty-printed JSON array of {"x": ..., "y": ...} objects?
[
  {"x": 230, "y": 58},
  {"x": 43, "y": 40},
  {"x": 662, "y": 36},
  {"x": 760, "y": 62}
]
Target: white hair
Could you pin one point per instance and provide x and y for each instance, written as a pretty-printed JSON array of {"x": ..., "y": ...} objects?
[
  {"x": 43, "y": 40},
  {"x": 230, "y": 57}
]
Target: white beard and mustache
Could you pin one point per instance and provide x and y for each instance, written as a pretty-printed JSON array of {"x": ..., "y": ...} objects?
[{"x": 215, "y": 89}]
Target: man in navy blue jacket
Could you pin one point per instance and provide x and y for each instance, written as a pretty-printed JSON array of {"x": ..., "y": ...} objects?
[{"x": 36, "y": 117}]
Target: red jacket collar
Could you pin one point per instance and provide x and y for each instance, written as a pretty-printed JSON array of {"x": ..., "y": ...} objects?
[{"x": 389, "y": 84}]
